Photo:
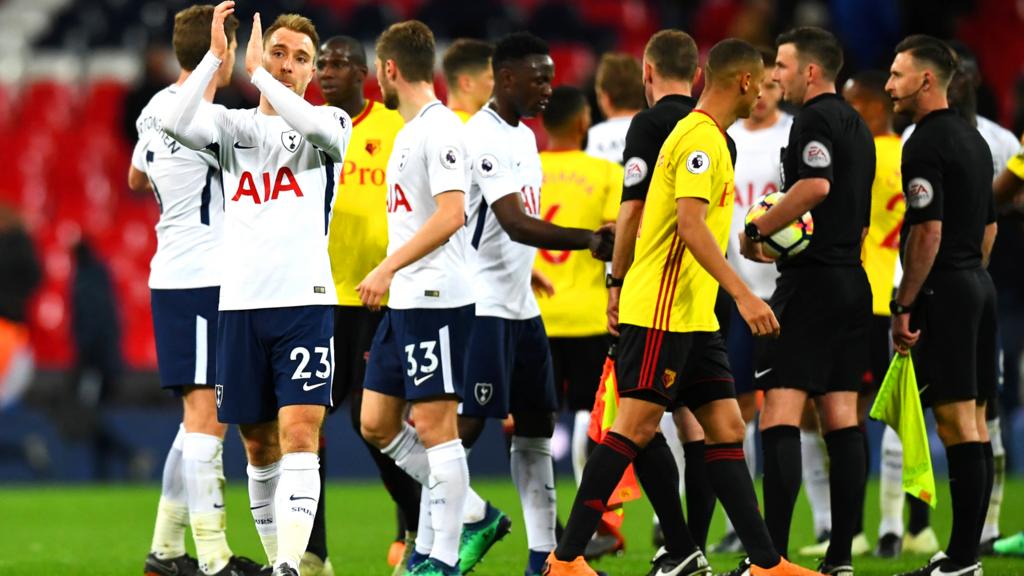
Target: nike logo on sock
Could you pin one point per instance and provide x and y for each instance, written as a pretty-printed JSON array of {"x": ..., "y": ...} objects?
[
  {"x": 218, "y": 506},
  {"x": 293, "y": 498},
  {"x": 260, "y": 506},
  {"x": 549, "y": 486}
]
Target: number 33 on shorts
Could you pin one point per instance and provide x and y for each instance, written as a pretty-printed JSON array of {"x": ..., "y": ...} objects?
[
  {"x": 423, "y": 369},
  {"x": 324, "y": 365}
]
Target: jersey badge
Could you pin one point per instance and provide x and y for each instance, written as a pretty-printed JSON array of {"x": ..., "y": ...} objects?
[
  {"x": 487, "y": 165},
  {"x": 919, "y": 193},
  {"x": 403, "y": 157},
  {"x": 635, "y": 171},
  {"x": 816, "y": 155},
  {"x": 482, "y": 392},
  {"x": 449, "y": 157},
  {"x": 291, "y": 140},
  {"x": 697, "y": 162},
  {"x": 372, "y": 147}
]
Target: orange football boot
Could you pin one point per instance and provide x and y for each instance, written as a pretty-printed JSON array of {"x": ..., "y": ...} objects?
[
  {"x": 783, "y": 568},
  {"x": 578, "y": 567}
]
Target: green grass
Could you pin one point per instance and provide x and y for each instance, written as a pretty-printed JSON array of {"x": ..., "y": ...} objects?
[{"x": 91, "y": 530}]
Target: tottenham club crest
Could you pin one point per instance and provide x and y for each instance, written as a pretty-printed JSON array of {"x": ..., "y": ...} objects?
[
  {"x": 219, "y": 388},
  {"x": 291, "y": 140},
  {"x": 403, "y": 157},
  {"x": 483, "y": 391}
]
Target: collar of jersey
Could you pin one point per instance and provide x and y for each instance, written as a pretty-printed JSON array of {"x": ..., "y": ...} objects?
[
  {"x": 821, "y": 97},
  {"x": 428, "y": 106},
  {"x": 936, "y": 114},
  {"x": 678, "y": 98}
]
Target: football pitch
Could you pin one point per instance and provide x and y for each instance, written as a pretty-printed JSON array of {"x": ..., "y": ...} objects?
[{"x": 106, "y": 530}]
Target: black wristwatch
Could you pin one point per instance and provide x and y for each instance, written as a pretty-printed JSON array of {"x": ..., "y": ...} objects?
[
  {"x": 895, "y": 308},
  {"x": 752, "y": 232},
  {"x": 612, "y": 282}
]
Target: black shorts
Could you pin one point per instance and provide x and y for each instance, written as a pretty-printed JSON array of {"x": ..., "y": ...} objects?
[
  {"x": 672, "y": 368},
  {"x": 948, "y": 358},
  {"x": 577, "y": 364},
  {"x": 880, "y": 350},
  {"x": 825, "y": 317},
  {"x": 354, "y": 327}
]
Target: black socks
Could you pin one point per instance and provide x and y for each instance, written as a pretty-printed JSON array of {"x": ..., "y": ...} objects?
[
  {"x": 727, "y": 472},
  {"x": 847, "y": 475},
  {"x": 656, "y": 470},
  {"x": 782, "y": 468},
  {"x": 700, "y": 497}
]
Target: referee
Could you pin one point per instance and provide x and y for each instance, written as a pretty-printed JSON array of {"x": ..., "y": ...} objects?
[
  {"x": 822, "y": 298},
  {"x": 944, "y": 300},
  {"x": 670, "y": 70}
]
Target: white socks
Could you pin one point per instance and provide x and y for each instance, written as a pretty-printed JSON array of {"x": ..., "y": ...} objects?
[
  {"x": 295, "y": 502},
  {"x": 580, "y": 430},
  {"x": 448, "y": 484},
  {"x": 425, "y": 530},
  {"x": 815, "y": 476},
  {"x": 204, "y": 480},
  {"x": 891, "y": 485},
  {"x": 991, "y": 528},
  {"x": 534, "y": 476},
  {"x": 262, "y": 485},
  {"x": 172, "y": 511}
]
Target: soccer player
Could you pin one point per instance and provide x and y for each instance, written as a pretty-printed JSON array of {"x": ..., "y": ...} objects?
[
  {"x": 943, "y": 300},
  {"x": 582, "y": 191},
  {"x": 184, "y": 285},
  {"x": 758, "y": 141},
  {"x": 822, "y": 298},
  {"x": 279, "y": 164},
  {"x": 670, "y": 347},
  {"x": 865, "y": 91},
  {"x": 509, "y": 361},
  {"x": 470, "y": 77},
  {"x": 418, "y": 350},
  {"x": 358, "y": 241},
  {"x": 620, "y": 95},
  {"x": 669, "y": 72}
]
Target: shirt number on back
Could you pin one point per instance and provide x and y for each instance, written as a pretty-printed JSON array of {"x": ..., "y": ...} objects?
[{"x": 892, "y": 239}]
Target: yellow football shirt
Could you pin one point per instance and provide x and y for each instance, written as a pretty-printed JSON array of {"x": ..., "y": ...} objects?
[
  {"x": 1016, "y": 164},
  {"x": 579, "y": 191},
  {"x": 882, "y": 246},
  {"x": 666, "y": 289},
  {"x": 358, "y": 237},
  {"x": 463, "y": 115}
]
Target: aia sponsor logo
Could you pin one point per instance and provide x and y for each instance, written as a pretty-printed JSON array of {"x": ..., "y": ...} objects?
[
  {"x": 284, "y": 181},
  {"x": 397, "y": 200}
]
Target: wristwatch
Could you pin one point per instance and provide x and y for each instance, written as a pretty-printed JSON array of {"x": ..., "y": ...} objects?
[
  {"x": 895, "y": 308},
  {"x": 612, "y": 282},
  {"x": 752, "y": 232}
]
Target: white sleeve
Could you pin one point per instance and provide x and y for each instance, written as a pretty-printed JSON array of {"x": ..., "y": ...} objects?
[
  {"x": 139, "y": 155},
  {"x": 326, "y": 127},
  {"x": 446, "y": 160},
  {"x": 492, "y": 169},
  {"x": 181, "y": 121}
]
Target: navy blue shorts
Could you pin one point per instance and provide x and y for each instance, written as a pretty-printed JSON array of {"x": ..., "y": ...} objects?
[
  {"x": 419, "y": 354},
  {"x": 273, "y": 357},
  {"x": 509, "y": 369},
  {"x": 185, "y": 327}
]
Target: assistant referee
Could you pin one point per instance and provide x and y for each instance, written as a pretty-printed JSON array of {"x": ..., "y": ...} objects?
[{"x": 944, "y": 300}]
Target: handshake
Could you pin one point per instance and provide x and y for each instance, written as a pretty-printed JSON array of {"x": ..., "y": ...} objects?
[{"x": 602, "y": 242}]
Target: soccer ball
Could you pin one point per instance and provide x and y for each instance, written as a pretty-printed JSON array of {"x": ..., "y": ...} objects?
[{"x": 791, "y": 240}]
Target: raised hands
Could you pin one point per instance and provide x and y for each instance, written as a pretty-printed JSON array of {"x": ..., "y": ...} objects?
[
  {"x": 219, "y": 40},
  {"x": 254, "y": 50}
]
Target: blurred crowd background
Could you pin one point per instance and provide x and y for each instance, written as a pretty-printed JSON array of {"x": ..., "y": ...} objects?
[{"x": 74, "y": 75}]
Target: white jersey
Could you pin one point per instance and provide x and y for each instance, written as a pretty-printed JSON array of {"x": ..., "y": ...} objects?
[
  {"x": 1001, "y": 142},
  {"x": 428, "y": 158},
  {"x": 188, "y": 189},
  {"x": 758, "y": 160},
  {"x": 505, "y": 161},
  {"x": 608, "y": 139},
  {"x": 278, "y": 190}
]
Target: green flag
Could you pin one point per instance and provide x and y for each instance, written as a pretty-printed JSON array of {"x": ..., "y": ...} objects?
[{"x": 898, "y": 404}]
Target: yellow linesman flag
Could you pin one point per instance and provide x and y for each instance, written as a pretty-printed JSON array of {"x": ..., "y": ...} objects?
[
  {"x": 898, "y": 404},
  {"x": 606, "y": 403}
]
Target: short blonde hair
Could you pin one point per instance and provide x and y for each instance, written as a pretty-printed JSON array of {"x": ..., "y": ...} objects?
[{"x": 295, "y": 23}]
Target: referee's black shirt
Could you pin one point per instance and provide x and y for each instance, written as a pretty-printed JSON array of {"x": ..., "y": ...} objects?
[
  {"x": 647, "y": 132},
  {"x": 830, "y": 140},
  {"x": 947, "y": 176}
]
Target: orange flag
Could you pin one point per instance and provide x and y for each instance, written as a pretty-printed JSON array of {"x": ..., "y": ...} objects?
[{"x": 606, "y": 404}]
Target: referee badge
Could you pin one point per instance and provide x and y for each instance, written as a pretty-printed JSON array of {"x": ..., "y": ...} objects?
[
  {"x": 697, "y": 162},
  {"x": 635, "y": 171},
  {"x": 816, "y": 155},
  {"x": 919, "y": 193}
]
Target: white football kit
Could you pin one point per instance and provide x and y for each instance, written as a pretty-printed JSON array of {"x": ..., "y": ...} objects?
[
  {"x": 608, "y": 139},
  {"x": 279, "y": 178},
  {"x": 505, "y": 161},
  {"x": 187, "y": 185},
  {"x": 757, "y": 173},
  {"x": 427, "y": 159}
]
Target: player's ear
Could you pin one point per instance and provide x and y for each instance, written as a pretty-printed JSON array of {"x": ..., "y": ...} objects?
[{"x": 698, "y": 73}]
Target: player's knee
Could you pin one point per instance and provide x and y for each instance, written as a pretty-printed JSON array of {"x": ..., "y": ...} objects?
[
  {"x": 535, "y": 424},
  {"x": 300, "y": 437},
  {"x": 954, "y": 431},
  {"x": 726, "y": 431},
  {"x": 376, "y": 432},
  {"x": 261, "y": 446}
]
